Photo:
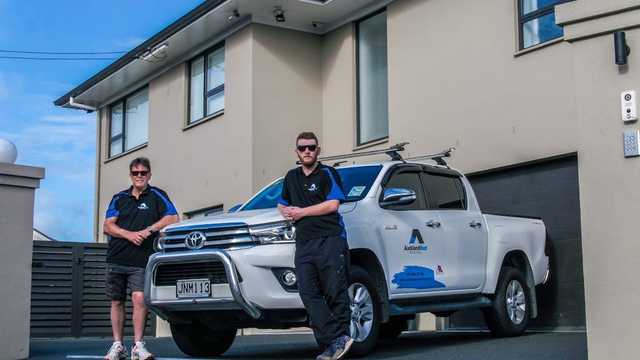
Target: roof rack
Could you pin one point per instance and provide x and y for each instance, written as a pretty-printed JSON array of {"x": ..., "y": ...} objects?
[
  {"x": 438, "y": 158},
  {"x": 392, "y": 151}
]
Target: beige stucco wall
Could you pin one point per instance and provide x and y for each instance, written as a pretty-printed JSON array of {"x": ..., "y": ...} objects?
[
  {"x": 608, "y": 182},
  {"x": 201, "y": 166},
  {"x": 287, "y": 97}
]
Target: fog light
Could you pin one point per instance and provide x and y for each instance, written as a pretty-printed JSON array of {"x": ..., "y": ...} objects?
[{"x": 289, "y": 277}]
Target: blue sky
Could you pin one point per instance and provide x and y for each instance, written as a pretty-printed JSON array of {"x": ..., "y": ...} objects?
[{"x": 63, "y": 140}]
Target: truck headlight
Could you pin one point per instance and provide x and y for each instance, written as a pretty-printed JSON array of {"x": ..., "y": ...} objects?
[
  {"x": 280, "y": 232},
  {"x": 158, "y": 243}
]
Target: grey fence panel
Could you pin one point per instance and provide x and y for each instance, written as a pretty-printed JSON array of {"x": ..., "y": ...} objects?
[{"x": 68, "y": 292}]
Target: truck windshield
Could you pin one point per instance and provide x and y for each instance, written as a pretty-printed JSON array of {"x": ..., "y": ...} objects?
[{"x": 356, "y": 183}]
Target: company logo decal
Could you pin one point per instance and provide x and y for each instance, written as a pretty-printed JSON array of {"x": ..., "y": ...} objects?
[
  {"x": 416, "y": 277},
  {"x": 312, "y": 187},
  {"x": 414, "y": 248},
  {"x": 143, "y": 206},
  {"x": 195, "y": 240}
]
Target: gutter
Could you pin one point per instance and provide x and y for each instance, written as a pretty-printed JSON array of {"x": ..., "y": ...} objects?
[{"x": 76, "y": 105}]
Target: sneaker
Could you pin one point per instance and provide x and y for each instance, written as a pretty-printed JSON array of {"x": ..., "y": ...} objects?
[
  {"x": 117, "y": 351},
  {"x": 139, "y": 352},
  {"x": 338, "y": 348}
]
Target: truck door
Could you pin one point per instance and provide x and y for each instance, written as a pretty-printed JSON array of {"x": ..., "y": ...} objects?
[
  {"x": 408, "y": 241},
  {"x": 465, "y": 238}
]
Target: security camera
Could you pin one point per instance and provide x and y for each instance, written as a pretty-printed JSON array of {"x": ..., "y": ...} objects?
[{"x": 278, "y": 14}]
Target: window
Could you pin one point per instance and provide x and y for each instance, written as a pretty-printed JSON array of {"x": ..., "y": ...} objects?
[
  {"x": 206, "y": 84},
  {"x": 129, "y": 122},
  {"x": 373, "y": 114},
  {"x": 407, "y": 179},
  {"x": 356, "y": 182},
  {"x": 537, "y": 22},
  {"x": 445, "y": 192}
]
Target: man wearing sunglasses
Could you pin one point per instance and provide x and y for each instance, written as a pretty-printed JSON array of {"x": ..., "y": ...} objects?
[
  {"x": 133, "y": 220},
  {"x": 311, "y": 195}
]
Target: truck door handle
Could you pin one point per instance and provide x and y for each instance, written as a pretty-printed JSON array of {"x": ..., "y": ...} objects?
[
  {"x": 475, "y": 224},
  {"x": 433, "y": 224}
]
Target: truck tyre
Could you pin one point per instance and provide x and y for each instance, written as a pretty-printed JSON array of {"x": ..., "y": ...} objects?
[
  {"x": 196, "y": 339},
  {"x": 393, "y": 328},
  {"x": 366, "y": 311},
  {"x": 510, "y": 311}
]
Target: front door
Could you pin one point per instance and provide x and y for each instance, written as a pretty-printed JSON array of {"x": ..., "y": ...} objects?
[{"x": 411, "y": 237}]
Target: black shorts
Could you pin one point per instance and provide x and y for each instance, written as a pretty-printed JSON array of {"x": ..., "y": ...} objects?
[{"x": 122, "y": 280}]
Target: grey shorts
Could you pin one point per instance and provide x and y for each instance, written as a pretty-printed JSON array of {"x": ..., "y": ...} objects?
[{"x": 122, "y": 280}]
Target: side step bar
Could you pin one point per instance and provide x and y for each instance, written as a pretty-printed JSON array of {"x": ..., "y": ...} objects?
[{"x": 404, "y": 308}]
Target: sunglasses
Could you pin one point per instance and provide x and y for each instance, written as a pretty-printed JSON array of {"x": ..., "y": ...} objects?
[
  {"x": 311, "y": 148},
  {"x": 139, "y": 173}
]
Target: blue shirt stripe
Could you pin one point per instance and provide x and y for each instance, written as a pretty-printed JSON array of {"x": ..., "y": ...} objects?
[
  {"x": 336, "y": 192},
  {"x": 171, "y": 210}
]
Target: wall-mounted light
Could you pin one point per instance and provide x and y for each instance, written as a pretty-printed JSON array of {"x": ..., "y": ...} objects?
[
  {"x": 622, "y": 50},
  {"x": 234, "y": 15},
  {"x": 155, "y": 54},
  {"x": 278, "y": 14}
]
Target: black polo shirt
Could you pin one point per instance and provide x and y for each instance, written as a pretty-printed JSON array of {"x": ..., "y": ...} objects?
[
  {"x": 301, "y": 190},
  {"x": 135, "y": 215}
]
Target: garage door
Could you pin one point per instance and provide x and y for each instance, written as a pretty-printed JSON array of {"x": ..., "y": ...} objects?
[{"x": 547, "y": 189}]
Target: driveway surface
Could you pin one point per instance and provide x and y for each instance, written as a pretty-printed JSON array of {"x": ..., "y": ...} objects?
[{"x": 413, "y": 345}]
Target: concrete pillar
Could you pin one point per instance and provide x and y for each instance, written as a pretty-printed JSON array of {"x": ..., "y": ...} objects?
[{"x": 17, "y": 189}]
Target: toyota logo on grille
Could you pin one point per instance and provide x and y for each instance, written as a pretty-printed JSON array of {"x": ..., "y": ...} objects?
[{"x": 195, "y": 240}]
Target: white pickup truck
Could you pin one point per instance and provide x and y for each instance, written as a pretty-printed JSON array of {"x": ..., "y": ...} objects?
[{"x": 418, "y": 243}]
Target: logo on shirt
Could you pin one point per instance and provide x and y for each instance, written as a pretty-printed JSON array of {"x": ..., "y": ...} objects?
[
  {"x": 312, "y": 187},
  {"x": 143, "y": 206}
]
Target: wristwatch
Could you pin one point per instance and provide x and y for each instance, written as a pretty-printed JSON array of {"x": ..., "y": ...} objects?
[{"x": 151, "y": 230}]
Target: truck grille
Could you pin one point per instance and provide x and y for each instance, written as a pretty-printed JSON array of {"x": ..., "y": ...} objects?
[
  {"x": 168, "y": 274},
  {"x": 219, "y": 237}
]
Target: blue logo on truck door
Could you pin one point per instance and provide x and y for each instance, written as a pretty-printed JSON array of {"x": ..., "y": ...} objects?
[
  {"x": 416, "y": 277},
  {"x": 414, "y": 248}
]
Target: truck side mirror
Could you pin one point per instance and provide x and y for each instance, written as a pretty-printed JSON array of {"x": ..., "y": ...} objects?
[{"x": 397, "y": 196}]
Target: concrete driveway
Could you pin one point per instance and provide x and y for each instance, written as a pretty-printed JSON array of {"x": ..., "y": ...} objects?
[{"x": 414, "y": 345}]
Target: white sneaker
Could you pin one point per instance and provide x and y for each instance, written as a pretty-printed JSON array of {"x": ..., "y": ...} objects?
[
  {"x": 117, "y": 351},
  {"x": 139, "y": 352}
]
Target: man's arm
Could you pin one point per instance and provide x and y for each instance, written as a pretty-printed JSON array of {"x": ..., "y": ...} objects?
[
  {"x": 111, "y": 228},
  {"x": 164, "y": 221},
  {"x": 324, "y": 208}
]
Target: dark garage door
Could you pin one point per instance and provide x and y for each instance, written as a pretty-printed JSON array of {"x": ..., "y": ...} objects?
[{"x": 546, "y": 189}]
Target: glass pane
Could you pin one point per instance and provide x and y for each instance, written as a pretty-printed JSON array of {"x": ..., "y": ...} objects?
[
  {"x": 196, "y": 102},
  {"x": 116, "y": 147},
  {"x": 357, "y": 181},
  {"x": 372, "y": 79},
  {"x": 533, "y": 5},
  {"x": 116, "y": 128},
  {"x": 445, "y": 192},
  {"x": 540, "y": 30},
  {"x": 215, "y": 103},
  {"x": 215, "y": 69},
  {"x": 410, "y": 181},
  {"x": 267, "y": 199},
  {"x": 137, "y": 119}
]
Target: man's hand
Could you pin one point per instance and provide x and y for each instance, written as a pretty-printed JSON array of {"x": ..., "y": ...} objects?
[
  {"x": 296, "y": 213},
  {"x": 136, "y": 237}
]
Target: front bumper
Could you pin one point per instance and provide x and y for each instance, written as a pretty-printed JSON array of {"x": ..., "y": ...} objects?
[
  {"x": 231, "y": 298},
  {"x": 252, "y": 287}
]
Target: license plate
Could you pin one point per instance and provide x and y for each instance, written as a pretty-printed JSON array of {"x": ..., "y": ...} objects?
[{"x": 193, "y": 288}]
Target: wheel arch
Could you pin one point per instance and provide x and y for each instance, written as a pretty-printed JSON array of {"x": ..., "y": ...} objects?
[
  {"x": 366, "y": 259},
  {"x": 519, "y": 260}
]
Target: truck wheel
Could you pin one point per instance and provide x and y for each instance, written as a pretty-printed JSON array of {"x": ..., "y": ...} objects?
[
  {"x": 509, "y": 313},
  {"x": 366, "y": 311},
  {"x": 393, "y": 328},
  {"x": 197, "y": 340}
]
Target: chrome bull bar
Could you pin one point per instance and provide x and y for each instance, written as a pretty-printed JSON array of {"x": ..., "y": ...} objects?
[{"x": 195, "y": 256}]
